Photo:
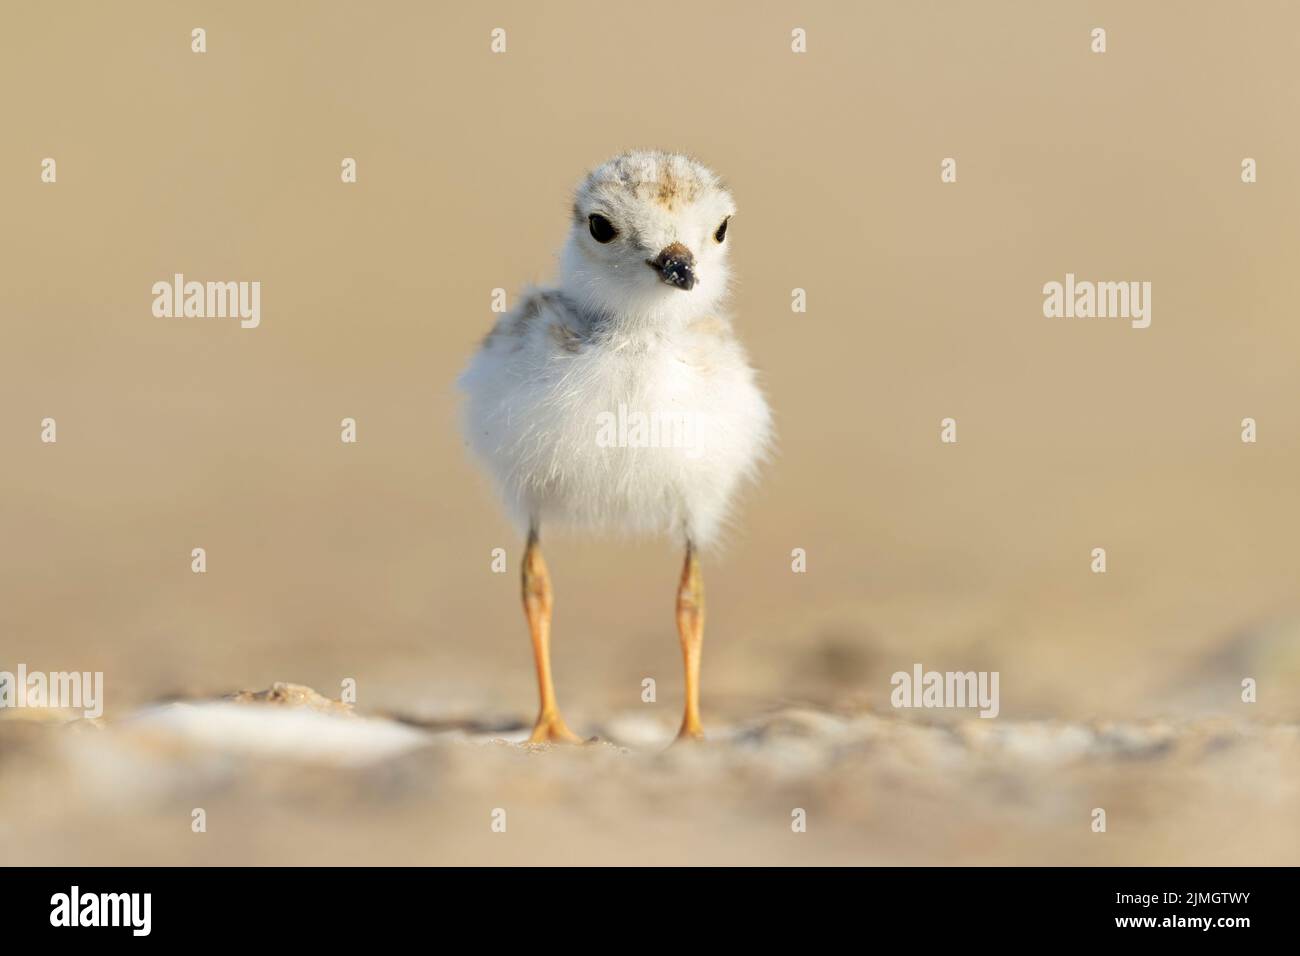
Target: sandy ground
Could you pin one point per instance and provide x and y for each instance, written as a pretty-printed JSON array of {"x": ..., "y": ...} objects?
[{"x": 298, "y": 779}]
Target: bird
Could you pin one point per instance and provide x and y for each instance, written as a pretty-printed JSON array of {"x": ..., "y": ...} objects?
[{"x": 620, "y": 400}]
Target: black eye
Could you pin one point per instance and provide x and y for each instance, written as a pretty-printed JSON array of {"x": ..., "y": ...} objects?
[
  {"x": 602, "y": 230},
  {"x": 722, "y": 230}
]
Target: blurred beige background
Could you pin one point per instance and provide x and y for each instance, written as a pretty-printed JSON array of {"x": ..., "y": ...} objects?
[{"x": 372, "y": 561}]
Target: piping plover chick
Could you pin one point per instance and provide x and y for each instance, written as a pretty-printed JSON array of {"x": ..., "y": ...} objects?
[{"x": 620, "y": 399}]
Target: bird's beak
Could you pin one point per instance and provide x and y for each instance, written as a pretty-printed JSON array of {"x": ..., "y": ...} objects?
[{"x": 676, "y": 266}]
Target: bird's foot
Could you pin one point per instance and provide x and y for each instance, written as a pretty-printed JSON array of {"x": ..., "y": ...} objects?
[
  {"x": 691, "y": 732},
  {"x": 551, "y": 729}
]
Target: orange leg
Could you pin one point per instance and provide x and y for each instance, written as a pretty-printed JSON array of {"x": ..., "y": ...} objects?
[
  {"x": 550, "y": 726},
  {"x": 690, "y": 627}
]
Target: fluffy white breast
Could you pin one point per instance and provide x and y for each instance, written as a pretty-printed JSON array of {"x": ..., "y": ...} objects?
[{"x": 612, "y": 429}]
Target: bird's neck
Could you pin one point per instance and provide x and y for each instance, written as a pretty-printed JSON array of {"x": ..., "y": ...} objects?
[{"x": 657, "y": 314}]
